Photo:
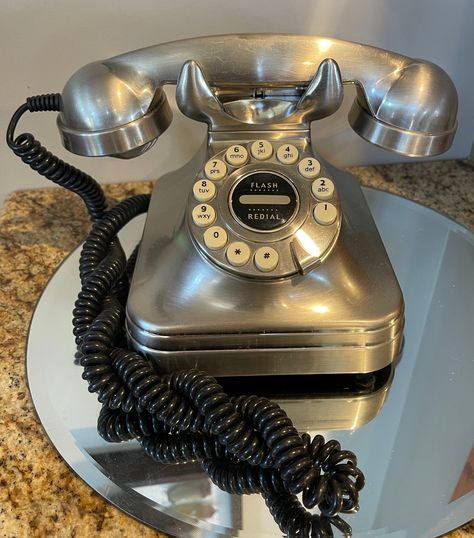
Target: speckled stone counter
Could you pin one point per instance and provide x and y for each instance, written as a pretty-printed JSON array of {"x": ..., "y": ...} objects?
[{"x": 39, "y": 495}]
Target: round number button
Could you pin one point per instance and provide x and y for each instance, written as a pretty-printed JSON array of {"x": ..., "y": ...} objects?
[
  {"x": 325, "y": 214},
  {"x": 204, "y": 215},
  {"x": 287, "y": 154},
  {"x": 236, "y": 155},
  {"x": 238, "y": 253},
  {"x": 215, "y": 169},
  {"x": 215, "y": 238},
  {"x": 204, "y": 190},
  {"x": 266, "y": 259},
  {"x": 309, "y": 167},
  {"x": 323, "y": 188},
  {"x": 261, "y": 150}
]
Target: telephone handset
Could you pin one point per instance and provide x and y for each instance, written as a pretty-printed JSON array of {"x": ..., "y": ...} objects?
[{"x": 258, "y": 257}]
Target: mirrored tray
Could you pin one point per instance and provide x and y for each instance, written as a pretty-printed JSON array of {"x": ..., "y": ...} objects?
[{"x": 416, "y": 449}]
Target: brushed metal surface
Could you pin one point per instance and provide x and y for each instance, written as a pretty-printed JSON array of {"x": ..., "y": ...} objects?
[
  {"x": 346, "y": 315},
  {"x": 396, "y": 94}
]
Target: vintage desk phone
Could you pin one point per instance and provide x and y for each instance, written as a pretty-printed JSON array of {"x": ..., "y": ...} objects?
[{"x": 258, "y": 258}]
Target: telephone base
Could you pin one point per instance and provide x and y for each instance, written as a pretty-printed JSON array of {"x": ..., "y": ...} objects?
[{"x": 345, "y": 316}]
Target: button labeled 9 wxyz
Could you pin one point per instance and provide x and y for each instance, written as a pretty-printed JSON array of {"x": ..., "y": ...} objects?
[{"x": 203, "y": 215}]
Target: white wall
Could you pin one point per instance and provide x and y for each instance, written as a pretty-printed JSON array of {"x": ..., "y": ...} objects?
[{"x": 43, "y": 42}]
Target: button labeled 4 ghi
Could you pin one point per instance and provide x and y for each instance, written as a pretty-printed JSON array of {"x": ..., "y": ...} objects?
[
  {"x": 204, "y": 215},
  {"x": 287, "y": 154}
]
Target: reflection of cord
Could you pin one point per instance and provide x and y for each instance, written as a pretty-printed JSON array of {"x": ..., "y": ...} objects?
[{"x": 246, "y": 444}]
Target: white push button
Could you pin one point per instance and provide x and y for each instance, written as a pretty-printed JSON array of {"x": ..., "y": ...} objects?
[
  {"x": 323, "y": 188},
  {"x": 215, "y": 238},
  {"x": 204, "y": 190},
  {"x": 261, "y": 150},
  {"x": 238, "y": 253},
  {"x": 325, "y": 214},
  {"x": 215, "y": 169},
  {"x": 236, "y": 155},
  {"x": 266, "y": 259},
  {"x": 204, "y": 215},
  {"x": 287, "y": 154},
  {"x": 309, "y": 167}
]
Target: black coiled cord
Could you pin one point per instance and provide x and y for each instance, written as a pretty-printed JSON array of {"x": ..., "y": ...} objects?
[
  {"x": 245, "y": 444},
  {"x": 48, "y": 165}
]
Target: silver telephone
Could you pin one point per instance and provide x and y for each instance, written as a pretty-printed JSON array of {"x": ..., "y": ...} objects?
[
  {"x": 258, "y": 257},
  {"x": 259, "y": 260}
]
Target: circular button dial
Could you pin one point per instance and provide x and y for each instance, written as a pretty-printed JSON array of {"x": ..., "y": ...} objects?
[{"x": 264, "y": 201}]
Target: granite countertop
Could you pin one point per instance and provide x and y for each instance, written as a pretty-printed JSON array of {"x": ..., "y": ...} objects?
[{"x": 39, "y": 495}]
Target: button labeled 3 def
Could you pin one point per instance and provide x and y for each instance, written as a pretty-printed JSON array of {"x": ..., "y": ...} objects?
[{"x": 309, "y": 167}]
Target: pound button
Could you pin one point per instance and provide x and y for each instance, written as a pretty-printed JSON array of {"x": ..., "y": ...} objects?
[
  {"x": 266, "y": 259},
  {"x": 204, "y": 215},
  {"x": 215, "y": 169}
]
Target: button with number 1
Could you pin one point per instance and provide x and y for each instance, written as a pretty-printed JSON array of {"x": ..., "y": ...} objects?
[{"x": 325, "y": 214}]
